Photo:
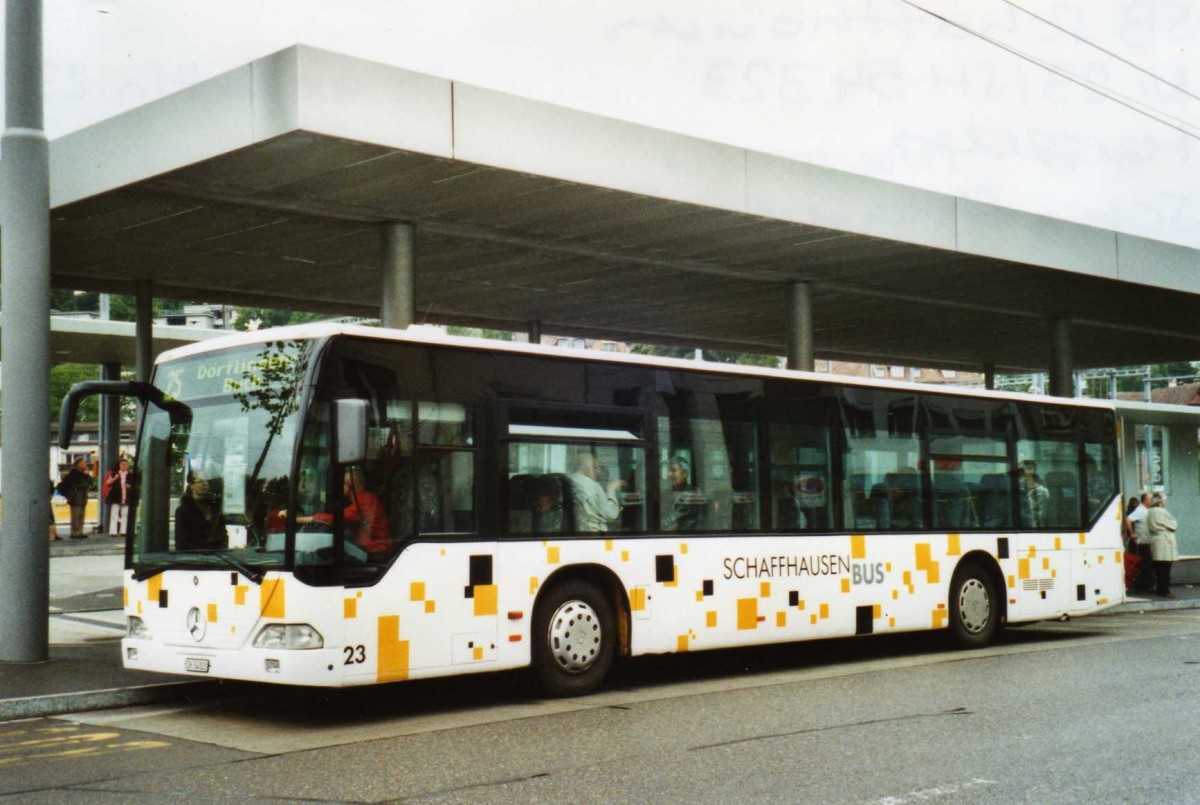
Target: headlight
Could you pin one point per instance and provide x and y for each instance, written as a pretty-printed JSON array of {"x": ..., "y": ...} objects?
[
  {"x": 136, "y": 627},
  {"x": 289, "y": 636}
]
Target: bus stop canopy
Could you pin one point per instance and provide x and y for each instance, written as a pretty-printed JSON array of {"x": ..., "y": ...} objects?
[
  {"x": 268, "y": 186},
  {"x": 84, "y": 340}
]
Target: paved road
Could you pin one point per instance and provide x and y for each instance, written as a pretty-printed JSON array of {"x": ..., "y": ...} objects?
[{"x": 1056, "y": 713}]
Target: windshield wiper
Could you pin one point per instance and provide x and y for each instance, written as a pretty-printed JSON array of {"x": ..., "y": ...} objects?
[
  {"x": 254, "y": 574},
  {"x": 146, "y": 571}
]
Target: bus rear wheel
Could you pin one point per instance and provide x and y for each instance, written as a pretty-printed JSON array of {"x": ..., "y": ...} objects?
[
  {"x": 574, "y": 638},
  {"x": 974, "y": 610}
]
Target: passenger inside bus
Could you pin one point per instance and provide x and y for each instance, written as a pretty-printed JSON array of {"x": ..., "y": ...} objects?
[
  {"x": 897, "y": 500},
  {"x": 1034, "y": 496},
  {"x": 199, "y": 524},
  {"x": 687, "y": 502},
  {"x": 596, "y": 506},
  {"x": 364, "y": 512}
]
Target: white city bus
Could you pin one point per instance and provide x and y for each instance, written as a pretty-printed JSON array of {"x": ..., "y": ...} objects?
[{"x": 332, "y": 505}]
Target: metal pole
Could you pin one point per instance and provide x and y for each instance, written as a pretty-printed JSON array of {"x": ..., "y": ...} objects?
[
  {"x": 25, "y": 351},
  {"x": 398, "y": 307},
  {"x": 143, "y": 329},
  {"x": 800, "y": 327},
  {"x": 110, "y": 433},
  {"x": 1061, "y": 370},
  {"x": 535, "y": 332},
  {"x": 989, "y": 376}
]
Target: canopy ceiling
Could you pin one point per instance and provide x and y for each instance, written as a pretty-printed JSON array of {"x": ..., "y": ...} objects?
[{"x": 267, "y": 187}]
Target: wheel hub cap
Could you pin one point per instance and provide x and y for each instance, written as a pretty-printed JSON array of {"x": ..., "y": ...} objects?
[
  {"x": 575, "y": 636},
  {"x": 974, "y": 607}
]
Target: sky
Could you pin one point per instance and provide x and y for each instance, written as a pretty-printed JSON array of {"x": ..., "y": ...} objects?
[{"x": 989, "y": 103}]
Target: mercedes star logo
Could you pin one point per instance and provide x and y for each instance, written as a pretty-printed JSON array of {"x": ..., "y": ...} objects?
[{"x": 196, "y": 624}]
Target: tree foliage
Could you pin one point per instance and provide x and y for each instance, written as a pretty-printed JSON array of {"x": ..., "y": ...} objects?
[
  {"x": 245, "y": 317},
  {"x": 65, "y": 375}
]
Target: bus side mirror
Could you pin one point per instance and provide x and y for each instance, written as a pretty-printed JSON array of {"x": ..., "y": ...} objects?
[{"x": 351, "y": 418}]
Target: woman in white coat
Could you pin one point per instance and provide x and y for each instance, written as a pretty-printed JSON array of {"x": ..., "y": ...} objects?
[{"x": 1161, "y": 526}]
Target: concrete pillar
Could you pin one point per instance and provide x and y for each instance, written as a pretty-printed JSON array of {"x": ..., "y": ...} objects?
[
  {"x": 110, "y": 432},
  {"x": 535, "y": 332},
  {"x": 800, "y": 327},
  {"x": 397, "y": 263},
  {"x": 1112, "y": 386},
  {"x": 989, "y": 376},
  {"x": 25, "y": 351},
  {"x": 1061, "y": 367}
]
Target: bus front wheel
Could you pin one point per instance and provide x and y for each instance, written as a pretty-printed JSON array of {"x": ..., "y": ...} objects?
[
  {"x": 574, "y": 638},
  {"x": 974, "y": 610}
]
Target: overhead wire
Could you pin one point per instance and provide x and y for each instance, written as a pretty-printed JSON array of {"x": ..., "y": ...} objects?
[
  {"x": 1156, "y": 115},
  {"x": 1103, "y": 50}
]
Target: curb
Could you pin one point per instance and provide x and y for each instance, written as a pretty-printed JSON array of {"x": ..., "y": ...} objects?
[
  {"x": 1152, "y": 606},
  {"x": 61, "y": 703}
]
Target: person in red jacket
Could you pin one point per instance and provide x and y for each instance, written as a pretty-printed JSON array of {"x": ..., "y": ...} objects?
[{"x": 364, "y": 512}]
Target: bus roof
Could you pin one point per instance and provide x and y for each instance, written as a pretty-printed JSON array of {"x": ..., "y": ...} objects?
[{"x": 426, "y": 336}]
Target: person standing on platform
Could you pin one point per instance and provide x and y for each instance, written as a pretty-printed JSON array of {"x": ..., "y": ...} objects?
[
  {"x": 1161, "y": 526},
  {"x": 75, "y": 488},
  {"x": 1137, "y": 525},
  {"x": 118, "y": 493}
]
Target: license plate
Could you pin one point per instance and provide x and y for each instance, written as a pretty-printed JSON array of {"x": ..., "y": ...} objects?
[{"x": 194, "y": 664}]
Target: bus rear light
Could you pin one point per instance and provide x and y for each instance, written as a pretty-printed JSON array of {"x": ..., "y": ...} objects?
[
  {"x": 297, "y": 636},
  {"x": 514, "y": 638}
]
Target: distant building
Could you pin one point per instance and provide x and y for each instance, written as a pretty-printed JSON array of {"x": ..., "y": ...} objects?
[
  {"x": 85, "y": 444},
  {"x": 1182, "y": 394},
  {"x": 202, "y": 316},
  {"x": 880, "y": 371}
]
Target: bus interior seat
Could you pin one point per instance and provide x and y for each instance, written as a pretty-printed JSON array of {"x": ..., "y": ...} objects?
[
  {"x": 907, "y": 510},
  {"x": 1063, "y": 507},
  {"x": 552, "y": 504},
  {"x": 948, "y": 501},
  {"x": 860, "y": 503},
  {"x": 881, "y": 503},
  {"x": 995, "y": 501},
  {"x": 520, "y": 504}
]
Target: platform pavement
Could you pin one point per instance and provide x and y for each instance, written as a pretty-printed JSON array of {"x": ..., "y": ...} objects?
[{"x": 84, "y": 671}]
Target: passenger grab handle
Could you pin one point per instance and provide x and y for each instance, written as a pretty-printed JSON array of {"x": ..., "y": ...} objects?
[{"x": 180, "y": 413}]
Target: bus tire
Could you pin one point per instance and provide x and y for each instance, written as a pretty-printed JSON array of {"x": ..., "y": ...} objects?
[
  {"x": 574, "y": 638},
  {"x": 974, "y": 610}
]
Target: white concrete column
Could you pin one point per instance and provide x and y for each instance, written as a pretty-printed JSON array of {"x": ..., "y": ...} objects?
[
  {"x": 397, "y": 307},
  {"x": 25, "y": 364},
  {"x": 800, "y": 327}
]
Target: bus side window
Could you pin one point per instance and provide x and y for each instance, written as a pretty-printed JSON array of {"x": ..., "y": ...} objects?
[
  {"x": 708, "y": 455},
  {"x": 575, "y": 471},
  {"x": 430, "y": 467},
  {"x": 800, "y": 474}
]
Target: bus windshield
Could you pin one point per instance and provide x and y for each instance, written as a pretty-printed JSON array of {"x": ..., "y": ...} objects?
[{"x": 214, "y": 489}]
